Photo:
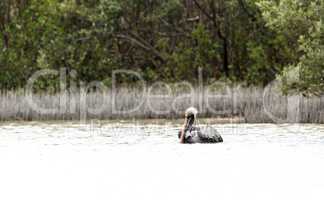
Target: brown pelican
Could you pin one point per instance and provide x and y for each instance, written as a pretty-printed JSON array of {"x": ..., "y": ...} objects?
[{"x": 191, "y": 133}]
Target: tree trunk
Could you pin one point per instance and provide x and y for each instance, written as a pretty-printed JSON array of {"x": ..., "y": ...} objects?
[
  {"x": 6, "y": 40},
  {"x": 225, "y": 57}
]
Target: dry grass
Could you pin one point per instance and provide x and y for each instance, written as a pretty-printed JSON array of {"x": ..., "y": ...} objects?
[{"x": 255, "y": 105}]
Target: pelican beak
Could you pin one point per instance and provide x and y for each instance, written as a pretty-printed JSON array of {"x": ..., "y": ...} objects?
[{"x": 187, "y": 123}]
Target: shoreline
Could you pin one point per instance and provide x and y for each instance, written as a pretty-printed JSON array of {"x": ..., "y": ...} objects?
[
  {"x": 157, "y": 121},
  {"x": 177, "y": 121}
]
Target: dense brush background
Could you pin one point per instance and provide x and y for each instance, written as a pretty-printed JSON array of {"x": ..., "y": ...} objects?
[
  {"x": 247, "y": 42},
  {"x": 252, "y": 105}
]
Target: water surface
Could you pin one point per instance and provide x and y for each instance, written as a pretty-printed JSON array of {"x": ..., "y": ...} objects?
[{"x": 145, "y": 161}]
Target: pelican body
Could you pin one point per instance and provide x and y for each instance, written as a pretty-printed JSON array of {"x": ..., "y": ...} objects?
[{"x": 191, "y": 134}]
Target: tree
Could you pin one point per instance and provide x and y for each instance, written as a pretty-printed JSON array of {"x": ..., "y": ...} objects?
[{"x": 301, "y": 23}]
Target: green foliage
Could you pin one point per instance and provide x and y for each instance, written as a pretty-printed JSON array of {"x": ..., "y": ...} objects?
[
  {"x": 252, "y": 41},
  {"x": 301, "y": 23}
]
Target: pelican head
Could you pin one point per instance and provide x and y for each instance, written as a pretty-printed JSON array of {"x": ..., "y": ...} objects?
[{"x": 190, "y": 114}]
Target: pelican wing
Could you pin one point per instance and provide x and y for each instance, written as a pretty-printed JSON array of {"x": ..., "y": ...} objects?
[{"x": 209, "y": 134}]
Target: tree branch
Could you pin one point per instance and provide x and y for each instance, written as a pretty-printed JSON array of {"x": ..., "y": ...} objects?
[
  {"x": 245, "y": 9},
  {"x": 203, "y": 10},
  {"x": 135, "y": 39}
]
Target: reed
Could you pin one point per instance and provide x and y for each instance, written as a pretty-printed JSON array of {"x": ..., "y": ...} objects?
[{"x": 254, "y": 105}]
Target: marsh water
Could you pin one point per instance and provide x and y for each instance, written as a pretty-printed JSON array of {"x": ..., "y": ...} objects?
[{"x": 120, "y": 160}]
